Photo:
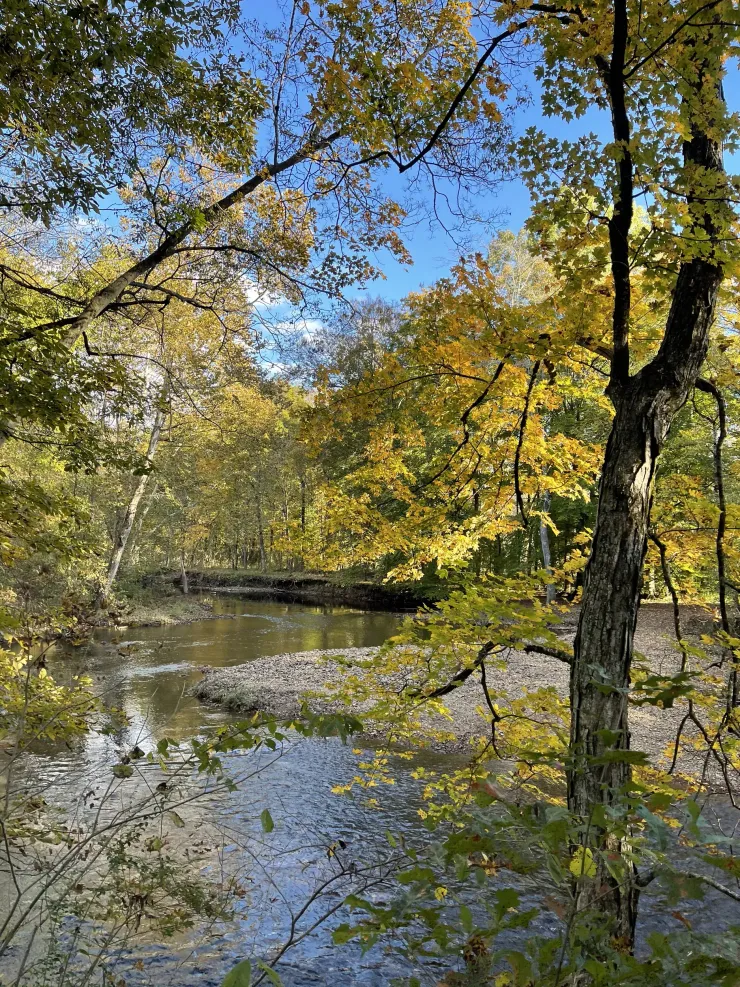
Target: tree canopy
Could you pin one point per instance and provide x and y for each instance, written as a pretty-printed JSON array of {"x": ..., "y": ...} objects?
[{"x": 194, "y": 376}]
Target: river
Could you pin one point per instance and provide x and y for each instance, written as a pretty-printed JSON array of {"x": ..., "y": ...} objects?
[
  {"x": 317, "y": 835},
  {"x": 146, "y": 673}
]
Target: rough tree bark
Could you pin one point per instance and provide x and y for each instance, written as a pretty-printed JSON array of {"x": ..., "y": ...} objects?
[{"x": 645, "y": 406}]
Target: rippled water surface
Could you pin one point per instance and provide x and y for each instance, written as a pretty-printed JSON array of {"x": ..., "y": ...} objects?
[{"x": 147, "y": 673}]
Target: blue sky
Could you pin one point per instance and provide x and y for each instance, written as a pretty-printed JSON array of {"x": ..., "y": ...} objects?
[{"x": 434, "y": 252}]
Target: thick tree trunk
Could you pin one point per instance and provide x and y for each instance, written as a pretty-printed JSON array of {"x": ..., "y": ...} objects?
[
  {"x": 645, "y": 406},
  {"x": 129, "y": 517},
  {"x": 600, "y": 675}
]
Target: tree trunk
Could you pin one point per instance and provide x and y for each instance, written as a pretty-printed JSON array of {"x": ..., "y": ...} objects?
[
  {"x": 135, "y": 539},
  {"x": 299, "y": 561},
  {"x": 261, "y": 535},
  {"x": 545, "y": 543},
  {"x": 286, "y": 559},
  {"x": 183, "y": 574},
  {"x": 129, "y": 517},
  {"x": 600, "y": 674}
]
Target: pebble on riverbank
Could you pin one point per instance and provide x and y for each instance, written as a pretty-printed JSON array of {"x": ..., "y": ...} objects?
[{"x": 276, "y": 684}]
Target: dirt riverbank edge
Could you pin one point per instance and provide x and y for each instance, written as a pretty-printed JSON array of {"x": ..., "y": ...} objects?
[
  {"x": 276, "y": 684},
  {"x": 160, "y": 611},
  {"x": 320, "y": 588}
]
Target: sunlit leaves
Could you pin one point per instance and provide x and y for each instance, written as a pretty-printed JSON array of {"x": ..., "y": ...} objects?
[
  {"x": 447, "y": 444},
  {"x": 35, "y": 707},
  {"x": 81, "y": 87}
]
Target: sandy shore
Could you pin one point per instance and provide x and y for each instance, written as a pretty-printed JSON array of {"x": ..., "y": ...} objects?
[{"x": 276, "y": 684}]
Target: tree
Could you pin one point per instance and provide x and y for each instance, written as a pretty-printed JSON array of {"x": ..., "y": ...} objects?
[
  {"x": 129, "y": 518},
  {"x": 647, "y": 399},
  {"x": 448, "y": 444},
  {"x": 87, "y": 91},
  {"x": 665, "y": 64},
  {"x": 449, "y": 436},
  {"x": 334, "y": 124},
  {"x": 205, "y": 196}
]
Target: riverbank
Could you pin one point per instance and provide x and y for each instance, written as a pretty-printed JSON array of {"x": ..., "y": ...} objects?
[
  {"x": 277, "y": 684},
  {"x": 157, "y": 610},
  {"x": 340, "y": 589}
]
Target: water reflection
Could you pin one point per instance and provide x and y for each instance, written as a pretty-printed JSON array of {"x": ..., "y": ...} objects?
[{"x": 147, "y": 672}]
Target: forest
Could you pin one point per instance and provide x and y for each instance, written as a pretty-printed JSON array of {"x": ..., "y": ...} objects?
[{"x": 369, "y": 493}]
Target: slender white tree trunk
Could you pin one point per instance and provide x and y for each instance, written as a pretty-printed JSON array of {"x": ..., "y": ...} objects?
[
  {"x": 129, "y": 517},
  {"x": 183, "y": 574},
  {"x": 545, "y": 543},
  {"x": 261, "y": 533},
  {"x": 135, "y": 539}
]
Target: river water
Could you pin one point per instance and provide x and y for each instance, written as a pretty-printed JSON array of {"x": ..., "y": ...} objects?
[{"x": 318, "y": 836}]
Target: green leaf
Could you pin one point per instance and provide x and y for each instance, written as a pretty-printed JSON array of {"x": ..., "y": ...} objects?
[
  {"x": 521, "y": 966},
  {"x": 416, "y": 874},
  {"x": 122, "y": 770},
  {"x": 267, "y": 823},
  {"x": 507, "y": 898},
  {"x": 342, "y": 934},
  {"x": 582, "y": 863},
  {"x": 270, "y": 973},
  {"x": 176, "y": 819},
  {"x": 240, "y": 976}
]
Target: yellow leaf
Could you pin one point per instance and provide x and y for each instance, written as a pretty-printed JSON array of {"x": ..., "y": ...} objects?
[{"x": 582, "y": 863}]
